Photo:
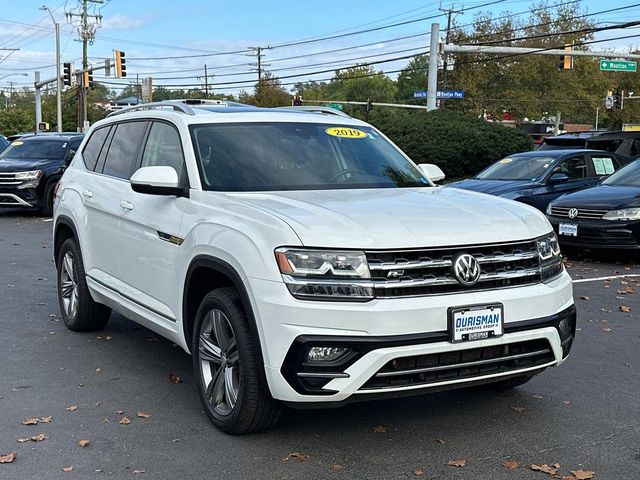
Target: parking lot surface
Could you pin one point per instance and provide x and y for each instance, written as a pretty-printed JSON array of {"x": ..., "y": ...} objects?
[{"x": 584, "y": 415}]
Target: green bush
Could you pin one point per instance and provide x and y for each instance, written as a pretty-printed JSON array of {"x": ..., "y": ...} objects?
[{"x": 458, "y": 144}]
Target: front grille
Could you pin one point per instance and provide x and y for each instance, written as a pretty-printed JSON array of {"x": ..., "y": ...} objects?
[
  {"x": 8, "y": 179},
  {"x": 461, "y": 364},
  {"x": 429, "y": 272},
  {"x": 582, "y": 213}
]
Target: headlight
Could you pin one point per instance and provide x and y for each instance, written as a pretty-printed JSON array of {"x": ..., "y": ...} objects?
[
  {"x": 624, "y": 214},
  {"x": 550, "y": 256},
  {"x": 32, "y": 175},
  {"x": 325, "y": 274},
  {"x": 549, "y": 209}
]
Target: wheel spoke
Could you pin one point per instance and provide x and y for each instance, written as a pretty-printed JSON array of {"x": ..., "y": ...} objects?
[
  {"x": 209, "y": 351},
  {"x": 220, "y": 330},
  {"x": 68, "y": 266},
  {"x": 233, "y": 358},
  {"x": 218, "y": 387},
  {"x": 73, "y": 303},
  {"x": 66, "y": 288},
  {"x": 230, "y": 391}
]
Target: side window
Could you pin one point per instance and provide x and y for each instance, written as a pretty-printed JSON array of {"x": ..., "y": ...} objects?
[
  {"x": 575, "y": 168},
  {"x": 634, "y": 151},
  {"x": 604, "y": 165},
  {"x": 164, "y": 149},
  {"x": 93, "y": 147},
  {"x": 123, "y": 151}
]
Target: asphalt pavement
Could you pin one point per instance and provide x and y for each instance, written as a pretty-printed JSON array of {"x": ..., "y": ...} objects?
[{"x": 584, "y": 415}]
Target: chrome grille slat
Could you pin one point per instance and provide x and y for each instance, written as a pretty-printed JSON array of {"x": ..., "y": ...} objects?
[
  {"x": 410, "y": 265},
  {"x": 585, "y": 213},
  {"x": 485, "y": 277}
]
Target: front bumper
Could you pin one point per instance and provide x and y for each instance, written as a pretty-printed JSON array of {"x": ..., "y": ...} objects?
[
  {"x": 600, "y": 233},
  {"x": 412, "y": 332},
  {"x": 21, "y": 198}
]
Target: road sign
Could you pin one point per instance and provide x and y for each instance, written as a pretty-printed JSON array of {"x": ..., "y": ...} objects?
[
  {"x": 440, "y": 94},
  {"x": 608, "y": 102},
  {"x": 618, "y": 66},
  {"x": 337, "y": 106}
]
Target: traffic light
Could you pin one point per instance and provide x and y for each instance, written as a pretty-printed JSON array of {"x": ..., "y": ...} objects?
[
  {"x": 67, "y": 74},
  {"x": 566, "y": 63},
  {"x": 121, "y": 67},
  {"x": 87, "y": 80},
  {"x": 617, "y": 99},
  {"x": 297, "y": 101}
]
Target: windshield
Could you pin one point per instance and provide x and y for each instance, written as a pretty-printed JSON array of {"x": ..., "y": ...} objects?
[
  {"x": 298, "y": 156},
  {"x": 45, "y": 149},
  {"x": 627, "y": 176},
  {"x": 518, "y": 167}
]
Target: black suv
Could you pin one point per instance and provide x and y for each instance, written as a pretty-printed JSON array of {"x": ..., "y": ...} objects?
[{"x": 31, "y": 167}]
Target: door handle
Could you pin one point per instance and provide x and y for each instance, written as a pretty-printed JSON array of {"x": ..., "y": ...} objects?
[
  {"x": 126, "y": 205},
  {"x": 87, "y": 193}
]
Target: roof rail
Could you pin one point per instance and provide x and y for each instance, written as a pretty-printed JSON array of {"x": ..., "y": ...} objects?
[
  {"x": 319, "y": 109},
  {"x": 173, "y": 104}
]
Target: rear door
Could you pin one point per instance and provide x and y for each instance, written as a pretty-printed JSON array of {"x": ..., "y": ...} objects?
[
  {"x": 603, "y": 165},
  {"x": 150, "y": 227},
  {"x": 577, "y": 168},
  {"x": 102, "y": 196}
]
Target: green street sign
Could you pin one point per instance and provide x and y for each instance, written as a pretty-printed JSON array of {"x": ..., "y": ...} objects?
[
  {"x": 618, "y": 66},
  {"x": 337, "y": 106}
]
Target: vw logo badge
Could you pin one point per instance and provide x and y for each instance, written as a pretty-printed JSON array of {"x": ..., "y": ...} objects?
[
  {"x": 466, "y": 269},
  {"x": 573, "y": 213}
]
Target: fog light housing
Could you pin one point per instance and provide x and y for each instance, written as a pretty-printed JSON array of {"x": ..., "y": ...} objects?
[
  {"x": 564, "y": 328},
  {"x": 320, "y": 354}
]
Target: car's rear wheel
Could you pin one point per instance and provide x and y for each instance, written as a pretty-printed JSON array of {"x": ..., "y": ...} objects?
[
  {"x": 79, "y": 311},
  {"x": 227, "y": 365}
]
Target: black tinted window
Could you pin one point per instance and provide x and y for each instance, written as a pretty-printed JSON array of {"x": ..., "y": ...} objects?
[
  {"x": 93, "y": 147},
  {"x": 575, "y": 168},
  {"x": 36, "y": 149},
  {"x": 124, "y": 149},
  {"x": 163, "y": 149}
]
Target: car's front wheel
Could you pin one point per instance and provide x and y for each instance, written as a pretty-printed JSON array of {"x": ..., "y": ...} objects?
[{"x": 227, "y": 366}]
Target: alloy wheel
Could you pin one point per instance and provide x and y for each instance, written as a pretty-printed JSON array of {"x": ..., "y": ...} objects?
[{"x": 69, "y": 286}]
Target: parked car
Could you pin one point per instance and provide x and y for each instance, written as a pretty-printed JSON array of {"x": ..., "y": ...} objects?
[
  {"x": 18, "y": 136},
  {"x": 3, "y": 142},
  {"x": 605, "y": 216},
  {"x": 624, "y": 144},
  {"x": 303, "y": 259},
  {"x": 536, "y": 178},
  {"x": 31, "y": 167}
]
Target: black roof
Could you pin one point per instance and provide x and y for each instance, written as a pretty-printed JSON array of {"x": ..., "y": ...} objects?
[
  {"x": 60, "y": 137},
  {"x": 561, "y": 152}
]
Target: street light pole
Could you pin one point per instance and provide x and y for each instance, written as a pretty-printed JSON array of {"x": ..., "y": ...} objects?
[{"x": 58, "y": 79}]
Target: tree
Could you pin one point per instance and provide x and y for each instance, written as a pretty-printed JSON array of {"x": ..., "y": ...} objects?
[
  {"x": 269, "y": 92},
  {"x": 413, "y": 78}
]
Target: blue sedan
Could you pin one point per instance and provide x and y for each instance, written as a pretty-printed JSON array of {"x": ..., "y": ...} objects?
[{"x": 537, "y": 178}]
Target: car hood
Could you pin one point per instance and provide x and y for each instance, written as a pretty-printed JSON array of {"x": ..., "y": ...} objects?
[
  {"x": 493, "y": 187},
  {"x": 601, "y": 197},
  {"x": 24, "y": 164},
  {"x": 399, "y": 217}
]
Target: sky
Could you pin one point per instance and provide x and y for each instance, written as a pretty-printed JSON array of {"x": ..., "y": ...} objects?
[{"x": 198, "y": 31}]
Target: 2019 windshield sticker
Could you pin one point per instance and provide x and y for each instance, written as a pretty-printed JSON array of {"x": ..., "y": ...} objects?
[{"x": 343, "y": 132}]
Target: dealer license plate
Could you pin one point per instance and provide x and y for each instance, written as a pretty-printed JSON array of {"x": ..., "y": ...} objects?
[
  {"x": 475, "y": 323},
  {"x": 569, "y": 229}
]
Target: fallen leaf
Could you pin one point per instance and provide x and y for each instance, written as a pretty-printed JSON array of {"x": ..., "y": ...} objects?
[
  {"x": 22, "y": 440},
  {"x": 45, "y": 419},
  {"x": 107, "y": 338},
  {"x": 544, "y": 468},
  {"x": 440, "y": 441},
  {"x": 30, "y": 421},
  {"x": 605, "y": 310},
  {"x": 625, "y": 309},
  {"x": 124, "y": 421},
  {"x": 8, "y": 458},
  {"x": 97, "y": 370},
  {"x": 119, "y": 412},
  {"x": 518, "y": 409},
  {"x": 301, "y": 457},
  {"x": 72, "y": 408},
  {"x": 138, "y": 471},
  {"x": 607, "y": 330},
  {"x": 510, "y": 464},
  {"x": 84, "y": 443},
  {"x": 567, "y": 402},
  {"x": 457, "y": 463},
  {"x": 380, "y": 429},
  {"x": 539, "y": 397},
  {"x": 583, "y": 474},
  {"x": 67, "y": 469},
  {"x": 336, "y": 466},
  {"x": 556, "y": 465},
  {"x": 173, "y": 378},
  {"x": 584, "y": 297},
  {"x": 417, "y": 472},
  {"x": 142, "y": 414},
  {"x": 38, "y": 438}
]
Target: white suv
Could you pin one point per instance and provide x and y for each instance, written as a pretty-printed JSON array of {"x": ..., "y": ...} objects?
[{"x": 303, "y": 259}]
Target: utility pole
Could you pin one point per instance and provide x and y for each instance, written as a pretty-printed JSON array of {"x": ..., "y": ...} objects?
[
  {"x": 206, "y": 81},
  {"x": 259, "y": 54},
  {"x": 87, "y": 32},
  {"x": 450, "y": 12},
  {"x": 432, "y": 81}
]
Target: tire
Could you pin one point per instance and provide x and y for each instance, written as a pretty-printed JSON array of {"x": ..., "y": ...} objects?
[
  {"x": 228, "y": 367},
  {"x": 79, "y": 311},
  {"x": 46, "y": 210},
  {"x": 512, "y": 382}
]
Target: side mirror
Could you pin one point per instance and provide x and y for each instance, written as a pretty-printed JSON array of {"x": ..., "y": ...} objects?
[
  {"x": 157, "y": 181},
  {"x": 558, "y": 178},
  {"x": 432, "y": 172}
]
